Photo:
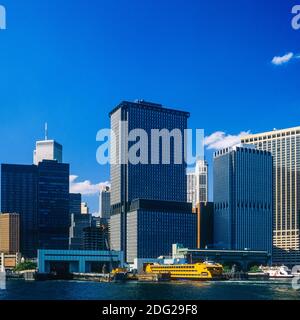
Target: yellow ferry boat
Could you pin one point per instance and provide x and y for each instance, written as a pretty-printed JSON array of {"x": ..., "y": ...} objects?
[{"x": 197, "y": 271}]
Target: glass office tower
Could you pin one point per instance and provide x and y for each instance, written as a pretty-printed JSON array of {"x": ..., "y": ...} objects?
[
  {"x": 53, "y": 205},
  {"x": 19, "y": 195},
  {"x": 75, "y": 203},
  {"x": 243, "y": 199},
  {"x": 153, "y": 182},
  {"x": 285, "y": 148}
]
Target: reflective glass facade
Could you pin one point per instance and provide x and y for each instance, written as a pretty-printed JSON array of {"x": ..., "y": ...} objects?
[
  {"x": 53, "y": 205},
  {"x": 19, "y": 195},
  {"x": 243, "y": 199},
  {"x": 156, "y": 182}
]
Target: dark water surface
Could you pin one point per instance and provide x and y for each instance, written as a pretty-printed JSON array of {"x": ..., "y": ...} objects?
[{"x": 74, "y": 290}]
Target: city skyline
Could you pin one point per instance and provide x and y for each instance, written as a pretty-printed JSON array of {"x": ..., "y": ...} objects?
[{"x": 230, "y": 77}]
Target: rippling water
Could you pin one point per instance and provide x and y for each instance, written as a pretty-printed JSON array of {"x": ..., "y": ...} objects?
[{"x": 74, "y": 290}]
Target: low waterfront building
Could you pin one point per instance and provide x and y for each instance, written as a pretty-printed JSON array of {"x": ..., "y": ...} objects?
[
  {"x": 9, "y": 261},
  {"x": 77, "y": 261},
  {"x": 243, "y": 259}
]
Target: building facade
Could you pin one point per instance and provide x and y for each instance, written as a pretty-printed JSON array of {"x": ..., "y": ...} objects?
[
  {"x": 96, "y": 237},
  {"x": 285, "y": 148},
  {"x": 197, "y": 184},
  {"x": 75, "y": 203},
  {"x": 19, "y": 190},
  {"x": 53, "y": 205},
  {"x": 40, "y": 195},
  {"x": 104, "y": 203},
  {"x": 153, "y": 181},
  {"x": 78, "y": 223},
  {"x": 243, "y": 199},
  {"x": 9, "y": 233},
  {"x": 153, "y": 226},
  {"x": 205, "y": 224},
  {"x": 47, "y": 150},
  {"x": 84, "y": 208}
]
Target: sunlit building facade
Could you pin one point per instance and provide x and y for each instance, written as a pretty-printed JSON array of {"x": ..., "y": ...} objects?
[{"x": 285, "y": 148}]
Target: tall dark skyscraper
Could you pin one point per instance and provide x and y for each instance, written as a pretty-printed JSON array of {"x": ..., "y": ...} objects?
[
  {"x": 53, "y": 205},
  {"x": 75, "y": 203},
  {"x": 243, "y": 199},
  {"x": 139, "y": 226},
  {"x": 19, "y": 191},
  {"x": 40, "y": 195}
]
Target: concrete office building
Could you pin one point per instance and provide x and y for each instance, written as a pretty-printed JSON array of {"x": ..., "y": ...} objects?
[
  {"x": 285, "y": 148},
  {"x": 78, "y": 223},
  {"x": 104, "y": 203},
  {"x": 197, "y": 183},
  {"x": 150, "y": 182},
  {"x": 9, "y": 233},
  {"x": 243, "y": 199},
  {"x": 47, "y": 150},
  {"x": 84, "y": 208},
  {"x": 96, "y": 237}
]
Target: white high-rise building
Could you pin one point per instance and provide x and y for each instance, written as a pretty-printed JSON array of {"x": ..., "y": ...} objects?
[
  {"x": 197, "y": 183},
  {"x": 84, "y": 208},
  {"x": 285, "y": 148},
  {"x": 47, "y": 150},
  {"x": 104, "y": 203}
]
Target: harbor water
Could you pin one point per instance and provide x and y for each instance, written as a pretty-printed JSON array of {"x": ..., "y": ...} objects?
[{"x": 218, "y": 290}]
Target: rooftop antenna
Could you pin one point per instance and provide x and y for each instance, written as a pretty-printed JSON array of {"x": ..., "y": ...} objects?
[{"x": 46, "y": 131}]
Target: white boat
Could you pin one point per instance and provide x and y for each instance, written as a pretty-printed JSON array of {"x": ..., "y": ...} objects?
[{"x": 278, "y": 272}]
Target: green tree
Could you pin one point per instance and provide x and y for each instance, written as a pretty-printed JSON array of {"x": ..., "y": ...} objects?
[
  {"x": 27, "y": 265},
  {"x": 254, "y": 269}
]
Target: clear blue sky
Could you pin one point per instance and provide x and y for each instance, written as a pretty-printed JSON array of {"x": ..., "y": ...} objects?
[{"x": 70, "y": 62}]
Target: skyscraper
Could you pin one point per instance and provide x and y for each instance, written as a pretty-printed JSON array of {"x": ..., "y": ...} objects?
[
  {"x": 9, "y": 233},
  {"x": 53, "y": 205},
  {"x": 78, "y": 223},
  {"x": 47, "y": 150},
  {"x": 138, "y": 225},
  {"x": 40, "y": 195},
  {"x": 75, "y": 203},
  {"x": 197, "y": 183},
  {"x": 104, "y": 203},
  {"x": 285, "y": 148},
  {"x": 84, "y": 208},
  {"x": 19, "y": 190},
  {"x": 243, "y": 199}
]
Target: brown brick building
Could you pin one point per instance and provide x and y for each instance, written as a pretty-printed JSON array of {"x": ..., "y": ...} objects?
[{"x": 9, "y": 233}]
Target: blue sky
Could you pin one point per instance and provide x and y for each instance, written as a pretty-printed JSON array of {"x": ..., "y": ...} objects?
[{"x": 70, "y": 62}]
